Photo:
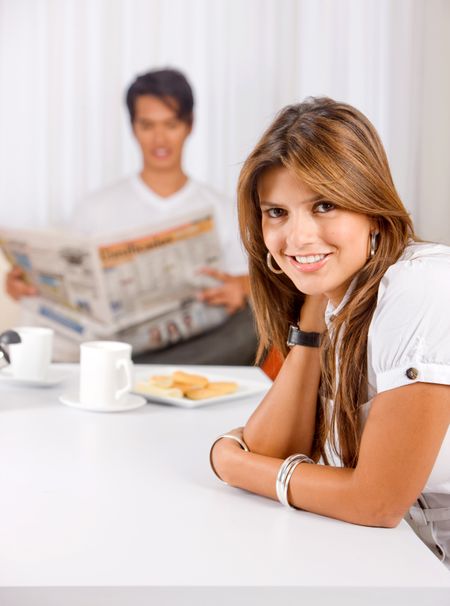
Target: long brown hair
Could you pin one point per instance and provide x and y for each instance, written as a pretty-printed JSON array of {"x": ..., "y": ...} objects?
[{"x": 336, "y": 151}]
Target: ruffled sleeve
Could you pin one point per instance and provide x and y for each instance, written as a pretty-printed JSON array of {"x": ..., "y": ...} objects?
[{"x": 409, "y": 336}]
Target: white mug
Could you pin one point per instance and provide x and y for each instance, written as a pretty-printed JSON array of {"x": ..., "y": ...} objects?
[
  {"x": 31, "y": 358},
  {"x": 105, "y": 373}
]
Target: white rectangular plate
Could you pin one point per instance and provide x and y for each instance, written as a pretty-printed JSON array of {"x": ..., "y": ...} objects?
[{"x": 245, "y": 388}]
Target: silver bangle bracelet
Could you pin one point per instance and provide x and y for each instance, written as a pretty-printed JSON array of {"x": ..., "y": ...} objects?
[
  {"x": 230, "y": 436},
  {"x": 284, "y": 475},
  {"x": 281, "y": 477}
]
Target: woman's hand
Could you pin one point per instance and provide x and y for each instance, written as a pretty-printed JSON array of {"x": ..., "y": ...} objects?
[
  {"x": 238, "y": 432},
  {"x": 223, "y": 450},
  {"x": 232, "y": 293},
  {"x": 312, "y": 314}
]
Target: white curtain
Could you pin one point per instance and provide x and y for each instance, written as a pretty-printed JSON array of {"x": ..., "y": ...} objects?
[{"x": 65, "y": 64}]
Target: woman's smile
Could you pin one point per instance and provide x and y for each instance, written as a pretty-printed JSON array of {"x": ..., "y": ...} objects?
[{"x": 308, "y": 263}]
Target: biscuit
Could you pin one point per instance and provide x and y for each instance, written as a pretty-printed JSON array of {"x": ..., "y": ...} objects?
[
  {"x": 212, "y": 390},
  {"x": 155, "y": 390},
  {"x": 223, "y": 387},
  {"x": 185, "y": 378},
  {"x": 184, "y": 387},
  {"x": 201, "y": 393},
  {"x": 161, "y": 380}
]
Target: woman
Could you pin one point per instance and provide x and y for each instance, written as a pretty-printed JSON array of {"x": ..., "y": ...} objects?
[{"x": 355, "y": 425}]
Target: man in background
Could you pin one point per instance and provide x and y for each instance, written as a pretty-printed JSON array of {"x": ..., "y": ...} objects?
[{"x": 160, "y": 104}]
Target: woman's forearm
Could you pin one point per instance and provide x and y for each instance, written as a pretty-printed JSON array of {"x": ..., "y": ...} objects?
[
  {"x": 329, "y": 491},
  {"x": 284, "y": 422}
]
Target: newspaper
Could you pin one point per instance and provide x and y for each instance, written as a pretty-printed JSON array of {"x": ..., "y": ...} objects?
[{"x": 138, "y": 286}]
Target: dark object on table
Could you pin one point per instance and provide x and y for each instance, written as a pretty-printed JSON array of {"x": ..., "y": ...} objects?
[{"x": 7, "y": 338}]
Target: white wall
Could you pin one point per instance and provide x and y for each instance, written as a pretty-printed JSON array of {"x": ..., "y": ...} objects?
[
  {"x": 433, "y": 211},
  {"x": 64, "y": 66}
]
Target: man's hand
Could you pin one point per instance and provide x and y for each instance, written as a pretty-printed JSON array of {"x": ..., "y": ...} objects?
[
  {"x": 15, "y": 284},
  {"x": 232, "y": 293}
]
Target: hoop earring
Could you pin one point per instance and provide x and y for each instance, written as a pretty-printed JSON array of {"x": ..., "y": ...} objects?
[
  {"x": 270, "y": 266},
  {"x": 373, "y": 243}
]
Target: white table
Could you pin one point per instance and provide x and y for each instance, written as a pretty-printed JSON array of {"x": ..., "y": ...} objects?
[{"x": 122, "y": 509}]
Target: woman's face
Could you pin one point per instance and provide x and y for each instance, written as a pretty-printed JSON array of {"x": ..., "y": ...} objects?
[{"x": 318, "y": 246}]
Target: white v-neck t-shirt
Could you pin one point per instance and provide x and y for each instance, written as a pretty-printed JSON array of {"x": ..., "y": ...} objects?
[
  {"x": 409, "y": 335},
  {"x": 130, "y": 204}
]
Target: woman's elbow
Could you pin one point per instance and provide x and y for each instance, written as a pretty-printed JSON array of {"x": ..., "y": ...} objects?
[
  {"x": 387, "y": 520},
  {"x": 383, "y": 513}
]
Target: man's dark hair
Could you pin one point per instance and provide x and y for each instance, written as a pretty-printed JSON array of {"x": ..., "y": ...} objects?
[{"x": 168, "y": 85}]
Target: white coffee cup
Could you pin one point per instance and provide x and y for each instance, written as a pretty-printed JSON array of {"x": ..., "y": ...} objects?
[
  {"x": 105, "y": 373},
  {"x": 31, "y": 358}
]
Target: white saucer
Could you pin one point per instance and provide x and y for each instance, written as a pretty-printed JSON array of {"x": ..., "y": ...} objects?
[
  {"x": 130, "y": 402},
  {"x": 54, "y": 376}
]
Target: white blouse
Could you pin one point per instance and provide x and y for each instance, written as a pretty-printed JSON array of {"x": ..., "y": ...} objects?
[{"x": 409, "y": 335}]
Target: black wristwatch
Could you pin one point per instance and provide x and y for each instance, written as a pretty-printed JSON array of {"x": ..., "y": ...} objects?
[{"x": 300, "y": 337}]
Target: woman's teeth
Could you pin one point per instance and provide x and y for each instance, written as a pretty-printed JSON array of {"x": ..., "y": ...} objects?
[{"x": 310, "y": 259}]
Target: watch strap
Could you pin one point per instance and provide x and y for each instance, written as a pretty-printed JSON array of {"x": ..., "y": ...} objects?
[{"x": 300, "y": 337}]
